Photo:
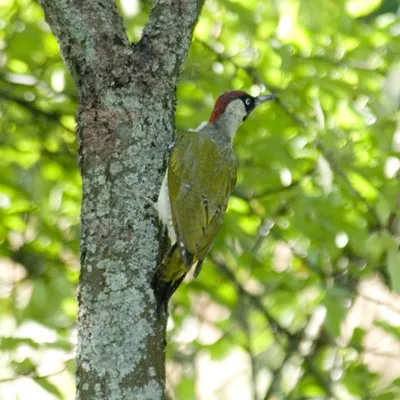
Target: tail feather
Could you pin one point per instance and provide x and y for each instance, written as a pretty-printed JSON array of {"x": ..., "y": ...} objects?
[
  {"x": 187, "y": 257},
  {"x": 197, "y": 269},
  {"x": 168, "y": 276}
]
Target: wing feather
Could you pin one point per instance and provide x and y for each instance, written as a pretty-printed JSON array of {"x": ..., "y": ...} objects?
[{"x": 200, "y": 179}]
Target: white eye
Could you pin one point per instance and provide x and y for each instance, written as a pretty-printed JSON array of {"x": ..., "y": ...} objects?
[{"x": 247, "y": 101}]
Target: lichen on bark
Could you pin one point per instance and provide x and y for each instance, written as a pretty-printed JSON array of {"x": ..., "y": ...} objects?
[{"x": 125, "y": 121}]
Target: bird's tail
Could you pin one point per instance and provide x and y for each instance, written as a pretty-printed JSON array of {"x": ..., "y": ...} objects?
[{"x": 168, "y": 276}]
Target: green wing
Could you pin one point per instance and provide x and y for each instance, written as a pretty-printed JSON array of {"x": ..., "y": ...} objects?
[{"x": 201, "y": 177}]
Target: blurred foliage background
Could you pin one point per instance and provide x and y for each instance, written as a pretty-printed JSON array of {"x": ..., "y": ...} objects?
[{"x": 298, "y": 298}]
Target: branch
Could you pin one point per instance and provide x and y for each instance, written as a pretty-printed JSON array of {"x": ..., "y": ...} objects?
[
  {"x": 359, "y": 65},
  {"x": 312, "y": 266},
  {"x": 167, "y": 36},
  {"x": 96, "y": 49},
  {"x": 244, "y": 321},
  {"x": 35, "y": 111},
  {"x": 293, "y": 340},
  {"x": 238, "y": 192},
  {"x": 276, "y": 375},
  {"x": 256, "y": 301},
  {"x": 272, "y": 230},
  {"x": 323, "y": 380},
  {"x": 334, "y": 165},
  {"x": 34, "y": 375},
  {"x": 294, "y": 349},
  {"x": 250, "y": 71},
  {"x": 87, "y": 31}
]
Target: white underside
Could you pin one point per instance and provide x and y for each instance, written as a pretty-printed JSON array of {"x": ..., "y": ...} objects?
[{"x": 164, "y": 208}]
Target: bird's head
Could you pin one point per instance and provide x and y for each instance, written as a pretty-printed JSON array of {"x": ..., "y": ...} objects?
[{"x": 233, "y": 107}]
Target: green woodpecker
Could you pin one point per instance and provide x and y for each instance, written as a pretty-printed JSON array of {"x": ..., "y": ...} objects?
[{"x": 194, "y": 194}]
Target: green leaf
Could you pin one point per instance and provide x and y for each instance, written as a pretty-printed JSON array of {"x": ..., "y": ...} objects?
[
  {"x": 10, "y": 343},
  {"x": 310, "y": 388},
  {"x": 185, "y": 389},
  {"x": 24, "y": 367},
  {"x": 386, "y": 396},
  {"x": 357, "y": 338},
  {"x": 394, "y": 331},
  {"x": 49, "y": 387},
  {"x": 383, "y": 209},
  {"x": 393, "y": 267},
  {"x": 334, "y": 302},
  {"x": 396, "y": 383},
  {"x": 220, "y": 349}
]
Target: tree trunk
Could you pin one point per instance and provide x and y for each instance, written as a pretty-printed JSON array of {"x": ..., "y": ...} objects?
[{"x": 125, "y": 121}]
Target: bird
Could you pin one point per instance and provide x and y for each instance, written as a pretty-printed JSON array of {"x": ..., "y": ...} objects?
[{"x": 194, "y": 194}]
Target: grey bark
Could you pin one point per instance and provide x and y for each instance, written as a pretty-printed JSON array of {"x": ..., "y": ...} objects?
[{"x": 125, "y": 120}]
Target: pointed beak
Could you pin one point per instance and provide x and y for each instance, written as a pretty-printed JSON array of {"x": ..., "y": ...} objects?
[{"x": 264, "y": 98}]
